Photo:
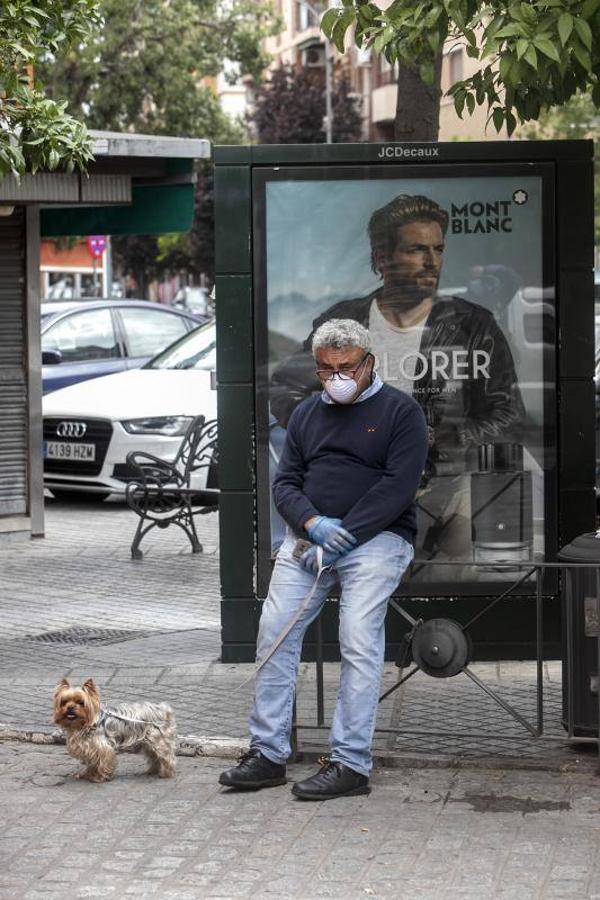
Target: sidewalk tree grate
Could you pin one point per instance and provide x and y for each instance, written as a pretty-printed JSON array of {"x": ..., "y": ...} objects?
[{"x": 87, "y": 636}]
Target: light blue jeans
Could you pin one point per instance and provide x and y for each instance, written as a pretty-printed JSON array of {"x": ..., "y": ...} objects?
[{"x": 368, "y": 576}]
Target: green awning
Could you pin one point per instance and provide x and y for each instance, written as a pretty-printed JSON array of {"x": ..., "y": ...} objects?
[{"x": 156, "y": 209}]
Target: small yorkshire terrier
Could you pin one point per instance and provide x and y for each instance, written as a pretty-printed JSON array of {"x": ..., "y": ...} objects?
[{"x": 95, "y": 733}]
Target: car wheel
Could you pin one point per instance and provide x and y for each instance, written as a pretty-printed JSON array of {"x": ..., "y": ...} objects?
[{"x": 80, "y": 496}]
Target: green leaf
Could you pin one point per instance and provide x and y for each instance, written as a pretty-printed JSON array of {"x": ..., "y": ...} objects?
[
  {"x": 470, "y": 104},
  {"x": 506, "y": 63},
  {"x": 522, "y": 46},
  {"x": 589, "y": 8},
  {"x": 546, "y": 47},
  {"x": 387, "y": 35},
  {"x": 508, "y": 31},
  {"x": 584, "y": 32},
  {"x": 20, "y": 50},
  {"x": 498, "y": 117},
  {"x": 488, "y": 49},
  {"x": 432, "y": 16},
  {"x": 565, "y": 27},
  {"x": 582, "y": 57},
  {"x": 528, "y": 14},
  {"x": 328, "y": 21},
  {"x": 531, "y": 57},
  {"x": 340, "y": 28},
  {"x": 596, "y": 94},
  {"x": 365, "y": 15},
  {"x": 459, "y": 103}
]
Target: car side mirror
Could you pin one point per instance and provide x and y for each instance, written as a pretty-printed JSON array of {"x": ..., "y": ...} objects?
[{"x": 51, "y": 357}]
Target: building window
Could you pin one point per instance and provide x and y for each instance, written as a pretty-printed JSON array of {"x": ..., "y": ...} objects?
[
  {"x": 388, "y": 73},
  {"x": 455, "y": 66},
  {"x": 305, "y": 16}
]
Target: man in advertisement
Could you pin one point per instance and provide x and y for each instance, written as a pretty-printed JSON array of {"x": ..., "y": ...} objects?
[
  {"x": 445, "y": 351},
  {"x": 345, "y": 486}
]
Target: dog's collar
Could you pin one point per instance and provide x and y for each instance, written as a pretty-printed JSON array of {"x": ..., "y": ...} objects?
[{"x": 99, "y": 721}]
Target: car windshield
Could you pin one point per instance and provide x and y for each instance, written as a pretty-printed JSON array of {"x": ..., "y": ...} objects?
[{"x": 194, "y": 351}]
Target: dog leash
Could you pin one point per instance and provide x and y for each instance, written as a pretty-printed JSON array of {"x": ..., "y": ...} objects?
[{"x": 288, "y": 627}]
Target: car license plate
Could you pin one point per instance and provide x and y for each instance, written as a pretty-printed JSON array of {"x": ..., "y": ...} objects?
[{"x": 64, "y": 450}]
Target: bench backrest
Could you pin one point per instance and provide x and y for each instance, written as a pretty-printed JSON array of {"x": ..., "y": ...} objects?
[{"x": 198, "y": 448}]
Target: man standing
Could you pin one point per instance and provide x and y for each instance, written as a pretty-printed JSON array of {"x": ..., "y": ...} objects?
[
  {"x": 446, "y": 352},
  {"x": 350, "y": 467}
]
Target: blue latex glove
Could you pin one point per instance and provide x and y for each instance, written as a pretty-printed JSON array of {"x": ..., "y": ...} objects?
[
  {"x": 331, "y": 536},
  {"x": 310, "y": 561}
]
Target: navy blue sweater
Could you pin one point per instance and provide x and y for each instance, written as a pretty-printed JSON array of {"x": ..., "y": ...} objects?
[{"x": 361, "y": 463}]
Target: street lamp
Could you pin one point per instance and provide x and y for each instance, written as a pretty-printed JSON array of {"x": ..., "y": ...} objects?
[{"x": 328, "y": 79}]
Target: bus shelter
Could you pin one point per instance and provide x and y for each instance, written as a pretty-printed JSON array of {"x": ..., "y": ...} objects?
[{"x": 509, "y": 399}]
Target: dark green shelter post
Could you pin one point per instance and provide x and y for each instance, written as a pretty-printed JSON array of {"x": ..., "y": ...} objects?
[
  {"x": 235, "y": 368},
  {"x": 243, "y": 177}
]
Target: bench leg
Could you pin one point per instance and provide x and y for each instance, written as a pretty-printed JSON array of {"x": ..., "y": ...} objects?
[
  {"x": 140, "y": 533},
  {"x": 196, "y": 545},
  {"x": 186, "y": 522}
]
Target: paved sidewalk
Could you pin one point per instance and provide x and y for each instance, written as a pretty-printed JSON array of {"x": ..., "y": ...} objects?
[
  {"x": 75, "y": 604},
  {"x": 488, "y": 815},
  {"x": 421, "y": 835}
]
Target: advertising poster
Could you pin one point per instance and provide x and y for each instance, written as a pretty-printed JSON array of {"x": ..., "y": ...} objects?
[{"x": 470, "y": 252}]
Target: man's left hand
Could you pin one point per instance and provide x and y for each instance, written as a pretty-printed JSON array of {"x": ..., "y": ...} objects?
[{"x": 310, "y": 560}]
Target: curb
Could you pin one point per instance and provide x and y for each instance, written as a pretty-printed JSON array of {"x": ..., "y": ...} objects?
[
  {"x": 187, "y": 745},
  {"x": 231, "y": 748}
]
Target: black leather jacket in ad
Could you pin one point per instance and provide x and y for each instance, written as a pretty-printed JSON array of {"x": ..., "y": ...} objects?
[{"x": 461, "y": 412}]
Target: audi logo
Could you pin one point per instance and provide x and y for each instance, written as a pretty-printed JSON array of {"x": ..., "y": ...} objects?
[{"x": 71, "y": 429}]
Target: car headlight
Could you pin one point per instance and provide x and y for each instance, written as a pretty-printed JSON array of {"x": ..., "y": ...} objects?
[{"x": 169, "y": 426}]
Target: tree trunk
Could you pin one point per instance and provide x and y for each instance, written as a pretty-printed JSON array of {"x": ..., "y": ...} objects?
[{"x": 418, "y": 105}]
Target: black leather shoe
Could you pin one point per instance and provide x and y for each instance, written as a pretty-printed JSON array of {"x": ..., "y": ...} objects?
[
  {"x": 253, "y": 771},
  {"x": 334, "y": 780}
]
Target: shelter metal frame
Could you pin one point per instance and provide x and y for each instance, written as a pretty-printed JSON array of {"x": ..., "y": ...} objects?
[{"x": 533, "y": 729}]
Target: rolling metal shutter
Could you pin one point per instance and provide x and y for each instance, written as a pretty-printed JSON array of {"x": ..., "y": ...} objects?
[{"x": 13, "y": 366}]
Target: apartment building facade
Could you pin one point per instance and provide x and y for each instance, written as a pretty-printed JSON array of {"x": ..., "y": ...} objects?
[{"x": 373, "y": 79}]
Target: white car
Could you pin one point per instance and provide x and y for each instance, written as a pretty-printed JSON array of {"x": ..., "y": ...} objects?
[{"x": 90, "y": 427}]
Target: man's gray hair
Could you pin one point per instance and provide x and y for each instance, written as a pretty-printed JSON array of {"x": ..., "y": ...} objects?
[{"x": 341, "y": 333}]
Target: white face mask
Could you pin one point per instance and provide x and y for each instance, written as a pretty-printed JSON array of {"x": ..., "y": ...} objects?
[{"x": 341, "y": 391}]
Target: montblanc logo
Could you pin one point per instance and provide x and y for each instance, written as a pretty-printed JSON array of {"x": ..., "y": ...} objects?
[
  {"x": 394, "y": 151},
  {"x": 485, "y": 216}
]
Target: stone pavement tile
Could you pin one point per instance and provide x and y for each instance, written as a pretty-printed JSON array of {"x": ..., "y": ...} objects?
[
  {"x": 123, "y": 861},
  {"x": 216, "y": 844},
  {"x": 564, "y": 889},
  {"x": 516, "y": 892},
  {"x": 285, "y": 885},
  {"x": 336, "y": 891},
  {"x": 41, "y": 893},
  {"x": 142, "y": 889}
]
